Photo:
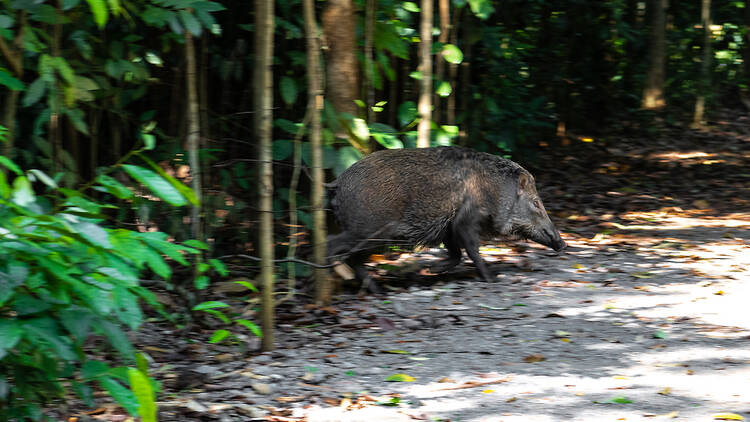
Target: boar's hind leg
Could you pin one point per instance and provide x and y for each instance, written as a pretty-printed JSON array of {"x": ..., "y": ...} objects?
[{"x": 454, "y": 254}]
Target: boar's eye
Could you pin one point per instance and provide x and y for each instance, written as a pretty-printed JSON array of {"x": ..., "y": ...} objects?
[{"x": 537, "y": 204}]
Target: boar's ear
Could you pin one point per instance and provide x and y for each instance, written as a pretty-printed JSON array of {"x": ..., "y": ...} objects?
[{"x": 525, "y": 182}]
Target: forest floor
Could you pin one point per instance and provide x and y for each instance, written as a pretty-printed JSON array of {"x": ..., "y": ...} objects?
[{"x": 645, "y": 317}]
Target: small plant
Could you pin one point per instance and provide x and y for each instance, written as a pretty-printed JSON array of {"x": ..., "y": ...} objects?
[{"x": 65, "y": 278}]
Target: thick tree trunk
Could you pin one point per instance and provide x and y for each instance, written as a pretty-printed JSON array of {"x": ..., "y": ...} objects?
[
  {"x": 192, "y": 141},
  {"x": 704, "y": 84},
  {"x": 264, "y": 24},
  {"x": 653, "y": 92},
  {"x": 424, "y": 108},
  {"x": 315, "y": 107},
  {"x": 370, "y": 8},
  {"x": 341, "y": 75}
]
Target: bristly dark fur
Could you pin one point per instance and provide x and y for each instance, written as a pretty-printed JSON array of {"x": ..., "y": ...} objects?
[{"x": 449, "y": 195}]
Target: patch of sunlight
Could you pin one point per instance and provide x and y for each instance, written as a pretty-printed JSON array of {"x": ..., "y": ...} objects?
[{"x": 676, "y": 156}]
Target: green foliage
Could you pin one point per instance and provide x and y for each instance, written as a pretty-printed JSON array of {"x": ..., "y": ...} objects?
[{"x": 65, "y": 276}]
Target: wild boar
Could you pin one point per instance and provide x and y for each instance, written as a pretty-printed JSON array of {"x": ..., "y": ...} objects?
[{"x": 450, "y": 195}]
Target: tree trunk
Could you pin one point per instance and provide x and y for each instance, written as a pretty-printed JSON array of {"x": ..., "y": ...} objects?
[
  {"x": 424, "y": 107},
  {"x": 653, "y": 92},
  {"x": 450, "y": 112},
  {"x": 13, "y": 55},
  {"x": 341, "y": 76},
  {"x": 444, "y": 12},
  {"x": 315, "y": 107},
  {"x": 264, "y": 24},
  {"x": 192, "y": 140},
  {"x": 704, "y": 84},
  {"x": 370, "y": 9}
]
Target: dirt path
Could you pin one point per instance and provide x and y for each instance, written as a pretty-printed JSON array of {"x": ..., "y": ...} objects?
[
  {"x": 651, "y": 323},
  {"x": 646, "y": 316}
]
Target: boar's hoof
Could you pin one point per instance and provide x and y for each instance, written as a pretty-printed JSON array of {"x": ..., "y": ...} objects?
[{"x": 444, "y": 265}]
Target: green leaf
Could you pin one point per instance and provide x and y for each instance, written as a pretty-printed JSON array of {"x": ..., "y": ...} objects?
[
  {"x": 116, "y": 337},
  {"x": 219, "y": 267},
  {"x": 99, "y": 9},
  {"x": 288, "y": 89},
  {"x": 22, "y": 194},
  {"x": 247, "y": 284},
  {"x": 282, "y": 149},
  {"x": 219, "y": 335},
  {"x": 660, "y": 334},
  {"x": 113, "y": 187},
  {"x": 9, "y": 80},
  {"x": 407, "y": 113},
  {"x": 452, "y": 54},
  {"x": 44, "y": 178},
  {"x": 197, "y": 244},
  {"x": 5, "y": 161},
  {"x": 212, "y": 304},
  {"x": 10, "y": 333},
  {"x": 190, "y": 22},
  {"x": 410, "y": 7},
  {"x": 443, "y": 89},
  {"x": 250, "y": 326},
  {"x": 397, "y": 352},
  {"x": 96, "y": 235},
  {"x": 34, "y": 93},
  {"x": 184, "y": 190},
  {"x": 149, "y": 141},
  {"x": 201, "y": 282},
  {"x": 619, "y": 400},
  {"x": 481, "y": 8},
  {"x": 360, "y": 129},
  {"x": 400, "y": 378},
  {"x": 156, "y": 263},
  {"x": 122, "y": 395},
  {"x": 157, "y": 184},
  {"x": 144, "y": 394}
]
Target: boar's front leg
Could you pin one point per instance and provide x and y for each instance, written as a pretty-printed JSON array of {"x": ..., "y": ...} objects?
[
  {"x": 469, "y": 239},
  {"x": 454, "y": 253}
]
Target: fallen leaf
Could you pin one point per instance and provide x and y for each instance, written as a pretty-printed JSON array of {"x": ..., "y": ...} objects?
[
  {"x": 488, "y": 391},
  {"x": 534, "y": 358},
  {"x": 701, "y": 204},
  {"x": 396, "y": 352},
  {"x": 377, "y": 258},
  {"x": 446, "y": 379},
  {"x": 644, "y": 274},
  {"x": 728, "y": 417},
  {"x": 719, "y": 292},
  {"x": 619, "y": 400},
  {"x": 666, "y": 391},
  {"x": 401, "y": 378},
  {"x": 511, "y": 400}
]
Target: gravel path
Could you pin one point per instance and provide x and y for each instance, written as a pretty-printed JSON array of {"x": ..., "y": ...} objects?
[{"x": 649, "y": 323}]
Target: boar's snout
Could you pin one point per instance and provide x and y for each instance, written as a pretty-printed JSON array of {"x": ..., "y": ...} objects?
[{"x": 555, "y": 241}]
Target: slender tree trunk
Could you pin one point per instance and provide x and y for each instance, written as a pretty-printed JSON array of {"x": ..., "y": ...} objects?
[
  {"x": 370, "y": 8},
  {"x": 203, "y": 98},
  {"x": 13, "y": 55},
  {"x": 705, "y": 83},
  {"x": 653, "y": 92},
  {"x": 424, "y": 108},
  {"x": 264, "y": 25},
  {"x": 445, "y": 21},
  {"x": 450, "y": 112},
  {"x": 192, "y": 140},
  {"x": 55, "y": 129},
  {"x": 339, "y": 28},
  {"x": 94, "y": 141},
  {"x": 315, "y": 107}
]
